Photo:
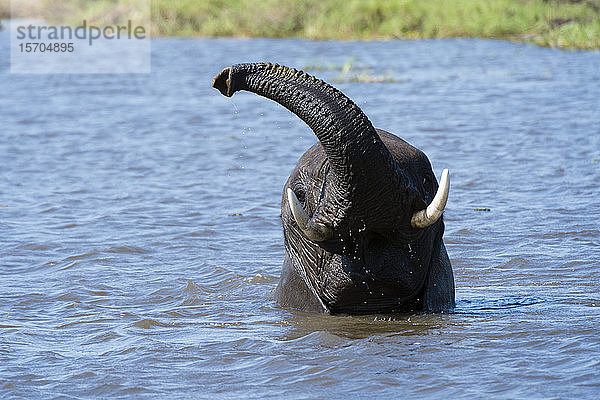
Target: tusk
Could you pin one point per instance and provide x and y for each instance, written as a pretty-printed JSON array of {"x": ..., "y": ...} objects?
[
  {"x": 315, "y": 231},
  {"x": 424, "y": 218}
]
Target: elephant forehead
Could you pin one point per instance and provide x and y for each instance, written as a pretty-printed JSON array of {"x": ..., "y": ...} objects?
[
  {"x": 407, "y": 156},
  {"x": 313, "y": 162},
  {"x": 312, "y": 166}
]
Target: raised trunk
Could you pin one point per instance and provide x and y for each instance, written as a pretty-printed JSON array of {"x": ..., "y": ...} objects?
[{"x": 365, "y": 169}]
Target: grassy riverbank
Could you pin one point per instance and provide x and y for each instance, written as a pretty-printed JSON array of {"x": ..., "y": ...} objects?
[{"x": 567, "y": 23}]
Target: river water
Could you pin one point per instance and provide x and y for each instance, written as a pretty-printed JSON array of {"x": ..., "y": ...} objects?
[{"x": 141, "y": 242}]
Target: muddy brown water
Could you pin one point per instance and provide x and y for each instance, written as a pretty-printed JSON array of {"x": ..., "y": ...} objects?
[{"x": 141, "y": 240}]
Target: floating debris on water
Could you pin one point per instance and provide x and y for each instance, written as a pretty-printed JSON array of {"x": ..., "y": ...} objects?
[{"x": 349, "y": 72}]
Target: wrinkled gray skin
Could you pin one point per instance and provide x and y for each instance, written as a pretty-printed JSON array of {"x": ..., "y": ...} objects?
[{"x": 363, "y": 185}]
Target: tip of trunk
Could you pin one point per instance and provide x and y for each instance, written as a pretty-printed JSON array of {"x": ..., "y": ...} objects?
[{"x": 222, "y": 82}]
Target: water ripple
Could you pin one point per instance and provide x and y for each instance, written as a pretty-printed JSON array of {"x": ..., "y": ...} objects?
[{"x": 142, "y": 241}]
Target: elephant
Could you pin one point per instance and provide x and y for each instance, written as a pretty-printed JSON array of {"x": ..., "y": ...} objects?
[{"x": 361, "y": 211}]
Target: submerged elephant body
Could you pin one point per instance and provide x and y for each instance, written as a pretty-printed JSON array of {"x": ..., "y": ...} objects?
[{"x": 361, "y": 211}]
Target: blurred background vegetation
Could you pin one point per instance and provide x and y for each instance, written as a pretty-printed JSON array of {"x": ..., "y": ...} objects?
[{"x": 555, "y": 23}]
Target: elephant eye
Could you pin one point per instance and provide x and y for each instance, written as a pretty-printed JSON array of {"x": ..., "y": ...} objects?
[
  {"x": 427, "y": 186},
  {"x": 300, "y": 194}
]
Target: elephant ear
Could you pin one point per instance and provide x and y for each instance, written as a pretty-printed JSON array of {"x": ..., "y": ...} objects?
[
  {"x": 439, "y": 286},
  {"x": 297, "y": 292}
]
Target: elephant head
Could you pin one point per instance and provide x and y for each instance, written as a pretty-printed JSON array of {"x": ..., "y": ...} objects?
[{"x": 361, "y": 211}]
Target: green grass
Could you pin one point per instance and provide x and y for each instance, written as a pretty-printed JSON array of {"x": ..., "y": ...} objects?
[
  {"x": 566, "y": 24},
  {"x": 546, "y": 23}
]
